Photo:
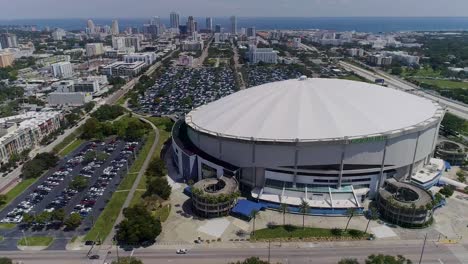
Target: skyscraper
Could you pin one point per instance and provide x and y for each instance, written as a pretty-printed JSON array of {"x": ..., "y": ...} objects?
[
  {"x": 190, "y": 24},
  {"x": 115, "y": 27},
  {"x": 209, "y": 23},
  {"x": 155, "y": 21},
  {"x": 174, "y": 17},
  {"x": 8, "y": 40},
  {"x": 91, "y": 27},
  {"x": 218, "y": 28},
  {"x": 251, "y": 32},
  {"x": 234, "y": 25}
]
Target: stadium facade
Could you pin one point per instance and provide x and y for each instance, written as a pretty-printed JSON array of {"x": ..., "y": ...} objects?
[{"x": 329, "y": 142}]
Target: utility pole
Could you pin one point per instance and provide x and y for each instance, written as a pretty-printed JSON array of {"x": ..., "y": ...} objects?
[
  {"x": 269, "y": 250},
  {"x": 422, "y": 251}
]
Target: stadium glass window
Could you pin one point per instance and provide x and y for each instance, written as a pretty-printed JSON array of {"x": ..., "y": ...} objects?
[
  {"x": 274, "y": 184},
  {"x": 208, "y": 172}
]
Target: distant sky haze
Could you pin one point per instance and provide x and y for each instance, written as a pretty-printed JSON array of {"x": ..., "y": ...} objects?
[{"x": 27, "y": 9}]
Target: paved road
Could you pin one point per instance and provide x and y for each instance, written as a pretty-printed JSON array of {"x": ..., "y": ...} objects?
[
  {"x": 130, "y": 195},
  {"x": 454, "y": 107},
  {"x": 309, "y": 253},
  {"x": 307, "y": 47},
  {"x": 237, "y": 66},
  {"x": 202, "y": 58}
]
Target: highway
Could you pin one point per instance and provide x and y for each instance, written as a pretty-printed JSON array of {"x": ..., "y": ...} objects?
[
  {"x": 454, "y": 107},
  {"x": 323, "y": 253}
]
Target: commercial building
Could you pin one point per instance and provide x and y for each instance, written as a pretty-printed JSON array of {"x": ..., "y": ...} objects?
[
  {"x": 148, "y": 57},
  {"x": 379, "y": 60},
  {"x": 91, "y": 28},
  {"x": 188, "y": 45},
  {"x": 46, "y": 62},
  {"x": 185, "y": 60},
  {"x": 403, "y": 57},
  {"x": 115, "y": 27},
  {"x": 8, "y": 40},
  {"x": 121, "y": 68},
  {"x": 62, "y": 70},
  {"x": 234, "y": 25},
  {"x": 190, "y": 24},
  {"x": 209, "y": 23},
  {"x": 6, "y": 59},
  {"x": 266, "y": 55},
  {"x": 94, "y": 49},
  {"x": 354, "y": 52},
  {"x": 87, "y": 86},
  {"x": 328, "y": 142},
  {"x": 69, "y": 99},
  {"x": 58, "y": 34},
  {"x": 25, "y": 131},
  {"x": 251, "y": 32},
  {"x": 175, "y": 19},
  {"x": 218, "y": 28}
]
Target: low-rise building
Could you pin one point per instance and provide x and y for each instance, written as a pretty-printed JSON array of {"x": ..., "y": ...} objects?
[
  {"x": 185, "y": 60},
  {"x": 6, "y": 59},
  {"x": 46, "y": 62},
  {"x": 25, "y": 131},
  {"x": 69, "y": 98},
  {"x": 191, "y": 45},
  {"x": 148, "y": 57},
  {"x": 121, "y": 68},
  {"x": 266, "y": 55}
]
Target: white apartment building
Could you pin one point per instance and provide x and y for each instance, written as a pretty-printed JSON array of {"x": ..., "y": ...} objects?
[
  {"x": 148, "y": 57},
  {"x": 62, "y": 70},
  {"x": 94, "y": 49},
  {"x": 403, "y": 57},
  {"x": 191, "y": 45},
  {"x": 25, "y": 131},
  {"x": 356, "y": 52},
  {"x": 266, "y": 55},
  {"x": 379, "y": 60}
]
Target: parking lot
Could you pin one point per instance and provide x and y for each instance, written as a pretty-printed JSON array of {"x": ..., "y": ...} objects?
[
  {"x": 257, "y": 75},
  {"x": 102, "y": 166},
  {"x": 179, "y": 89}
]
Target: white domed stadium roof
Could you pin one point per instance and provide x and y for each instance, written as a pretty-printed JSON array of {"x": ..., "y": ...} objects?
[{"x": 313, "y": 109}]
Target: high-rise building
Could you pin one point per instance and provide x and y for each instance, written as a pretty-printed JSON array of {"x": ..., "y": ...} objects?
[
  {"x": 8, "y": 40},
  {"x": 209, "y": 23},
  {"x": 174, "y": 17},
  {"x": 6, "y": 59},
  {"x": 191, "y": 24},
  {"x": 155, "y": 21},
  {"x": 58, "y": 34},
  {"x": 234, "y": 25},
  {"x": 62, "y": 70},
  {"x": 195, "y": 26},
  {"x": 218, "y": 28},
  {"x": 94, "y": 49},
  {"x": 91, "y": 27},
  {"x": 115, "y": 27},
  {"x": 251, "y": 32}
]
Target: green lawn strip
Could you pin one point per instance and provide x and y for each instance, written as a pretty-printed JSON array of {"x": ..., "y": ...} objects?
[
  {"x": 443, "y": 84},
  {"x": 297, "y": 232},
  {"x": 67, "y": 140},
  {"x": 7, "y": 225},
  {"x": 137, "y": 197},
  {"x": 354, "y": 77},
  {"x": 17, "y": 190},
  {"x": 71, "y": 147},
  {"x": 103, "y": 226},
  {"x": 1, "y": 238},
  {"x": 162, "y": 213},
  {"x": 128, "y": 181},
  {"x": 36, "y": 241}
]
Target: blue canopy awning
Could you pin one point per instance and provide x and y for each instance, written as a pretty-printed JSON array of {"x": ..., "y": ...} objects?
[
  {"x": 447, "y": 165},
  {"x": 246, "y": 207}
]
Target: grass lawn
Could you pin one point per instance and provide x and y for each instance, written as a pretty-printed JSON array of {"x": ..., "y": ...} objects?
[
  {"x": 17, "y": 190},
  {"x": 67, "y": 140},
  {"x": 422, "y": 72},
  {"x": 443, "y": 84},
  {"x": 1, "y": 238},
  {"x": 103, "y": 226},
  {"x": 298, "y": 232},
  {"x": 162, "y": 213},
  {"x": 71, "y": 147},
  {"x": 36, "y": 241},
  {"x": 7, "y": 225}
]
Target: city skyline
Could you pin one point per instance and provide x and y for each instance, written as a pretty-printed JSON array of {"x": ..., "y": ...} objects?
[{"x": 29, "y": 9}]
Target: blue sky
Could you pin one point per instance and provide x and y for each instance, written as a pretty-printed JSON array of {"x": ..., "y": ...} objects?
[{"x": 11, "y": 9}]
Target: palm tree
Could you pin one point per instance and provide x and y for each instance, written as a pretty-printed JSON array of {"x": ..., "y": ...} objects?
[
  {"x": 373, "y": 215},
  {"x": 304, "y": 209},
  {"x": 350, "y": 212},
  {"x": 284, "y": 209},
  {"x": 253, "y": 215}
]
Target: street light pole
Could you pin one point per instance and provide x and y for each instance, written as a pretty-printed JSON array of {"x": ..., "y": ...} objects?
[
  {"x": 422, "y": 251},
  {"x": 269, "y": 250}
]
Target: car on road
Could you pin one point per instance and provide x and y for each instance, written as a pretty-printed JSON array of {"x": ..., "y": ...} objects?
[
  {"x": 94, "y": 257},
  {"x": 181, "y": 251}
]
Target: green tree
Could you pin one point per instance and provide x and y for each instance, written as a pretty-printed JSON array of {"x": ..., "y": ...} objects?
[
  {"x": 158, "y": 186},
  {"x": 4, "y": 260},
  {"x": 387, "y": 259},
  {"x": 28, "y": 219},
  {"x": 73, "y": 221},
  {"x": 156, "y": 168},
  {"x": 304, "y": 209},
  {"x": 350, "y": 212},
  {"x": 139, "y": 226},
  {"x": 251, "y": 260},
  {"x": 89, "y": 106},
  {"x": 127, "y": 260},
  {"x": 58, "y": 215},
  {"x": 79, "y": 183},
  {"x": 253, "y": 215},
  {"x": 135, "y": 130},
  {"x": 3, "y": 199},
  {"x": 373, "y": 214},
  {"x": 348, "y": 261},
  {"x": 447, "y": 191},
  {"x": 91, "y": 129},
  {"x": 43, "y": 217},
  {"x": 283, "y": 208}
]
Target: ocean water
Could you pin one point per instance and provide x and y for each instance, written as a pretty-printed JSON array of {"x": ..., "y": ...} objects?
[{"x": 361, "y": 24}]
